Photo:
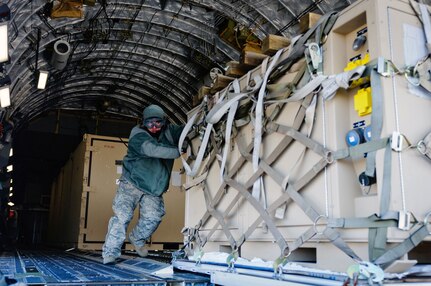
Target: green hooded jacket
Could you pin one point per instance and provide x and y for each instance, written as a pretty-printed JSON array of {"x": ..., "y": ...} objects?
[{"x": 149, "y": 160}]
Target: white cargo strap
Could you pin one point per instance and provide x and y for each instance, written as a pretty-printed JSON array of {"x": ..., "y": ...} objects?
[
  {"x": 333, "y": 235},
  {"x": 196, "y": 181},
  {"x": 302, "y": 92},
  {"x": 262, "y": 212},
  {"x": 285, "y": 198},
  {"x": 329, "y": 85},
  {"x": 309, "y": 123},
  {"x": 358, "y": 151},
  {"x": 202, "y": 148},
  {"x": 389, "y": 220},
  {"x": 332, "y": 84},
  {"x": 378, "y": 236},
  {"x": 344, "y": 79},
  {"x": 408, "y": 244},
  {"x": 218, "y": 216},
  {"x": 244, "y": 151},
  {"x": 330, "y": 233},
  {"x": 302, "y": 138},
  {"x": 376, "y": 120},
  {"x": 217, "y": 112},
  {"x": 258, "y": 121},
  {"x": 226, "y": 214},
  {"x": 320, "y": 30},
  {"x": 219, "y": 194},
  {"x": 386, "y": 184},
  {"x": 231, "y": 115},
  {"x": 303, "y": 238},
  {"x": 299, "y": 119},
  {"x": 310, "y": 111},
  {"x": 377, "y": 233},
  {"x": 208, "y": 129}
]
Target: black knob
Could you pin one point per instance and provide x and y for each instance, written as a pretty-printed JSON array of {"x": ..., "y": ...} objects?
[{"x": 365, "y": 180}]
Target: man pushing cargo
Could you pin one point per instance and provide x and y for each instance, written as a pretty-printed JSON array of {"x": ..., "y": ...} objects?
[{"x": 147, "y": 167}]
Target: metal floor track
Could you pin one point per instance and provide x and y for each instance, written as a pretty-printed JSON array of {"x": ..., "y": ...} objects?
[{"x": 47, "y": 267}]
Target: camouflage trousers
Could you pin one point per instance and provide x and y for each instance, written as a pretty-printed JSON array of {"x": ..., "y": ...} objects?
[{"x": 127, "y": 198}]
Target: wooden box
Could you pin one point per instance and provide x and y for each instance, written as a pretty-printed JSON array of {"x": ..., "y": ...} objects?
[
  {"x": 252, "y": 58},
  {"x": 272, "y": 43},
  {"x": 220, "y": 82},
  {"x": 307, "y": 21},
  {"x": 235, "y": 69},
  {"x": 203, "y": 90}
]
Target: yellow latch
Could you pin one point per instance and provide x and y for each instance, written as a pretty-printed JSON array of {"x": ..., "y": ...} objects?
[
  {"x": 363, "y": 101},
  {"x": 356, "y": 63},
  {"x": 366, "y": 59}
]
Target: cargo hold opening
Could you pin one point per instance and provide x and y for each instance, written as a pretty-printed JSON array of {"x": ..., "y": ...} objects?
[{"x": 46, "y": 154}]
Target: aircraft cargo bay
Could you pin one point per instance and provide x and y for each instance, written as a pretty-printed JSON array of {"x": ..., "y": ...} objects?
[{"x": 204, "y": 143}]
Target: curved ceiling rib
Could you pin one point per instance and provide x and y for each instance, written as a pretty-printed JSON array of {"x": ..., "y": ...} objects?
[
  {"x": 158, "y": 32},
  {"x": 91, "y": 101},
  {"x": 159, "y": 66},
  {"x": 77, "y": 84},
  {"x": 169, "y": 76},
  {"x": 80, "y": 96},
  {"x": 134, "y": 52},
  {"x": 74, "y": 83},
  {"x": 159, "y": 47}
]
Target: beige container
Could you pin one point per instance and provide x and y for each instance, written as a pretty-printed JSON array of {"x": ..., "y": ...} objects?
[
  {"x": 336, "y": 191},
  {"x": 81, "y": 199},
  {"x": 394, "y": 33}
]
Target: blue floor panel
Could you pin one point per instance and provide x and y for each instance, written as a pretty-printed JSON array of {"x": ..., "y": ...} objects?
[{"x": 56, "y": 267}]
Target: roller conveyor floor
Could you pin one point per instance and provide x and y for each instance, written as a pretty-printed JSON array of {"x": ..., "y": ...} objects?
[{"x": 48, "y": 267}]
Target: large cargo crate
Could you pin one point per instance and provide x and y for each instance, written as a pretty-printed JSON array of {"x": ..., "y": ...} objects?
[
  {"x": 82, "y": 194},
  {"x": 313, "y": 186}
]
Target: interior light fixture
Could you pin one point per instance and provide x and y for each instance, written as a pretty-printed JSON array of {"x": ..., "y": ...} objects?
[
  {"x": 43, "y": 78},
  {"x": 4, "y": 43},
  {"x": 11, "y": 204},
  {"x": 5, "y": 91},
  {"x": 10, "y": 195},
  {"x": 4, "y": 96},
  {"x": 9, "y": 168},
  {"x": 4, "y": 40},
  {"x": 11, "y": 152}
]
